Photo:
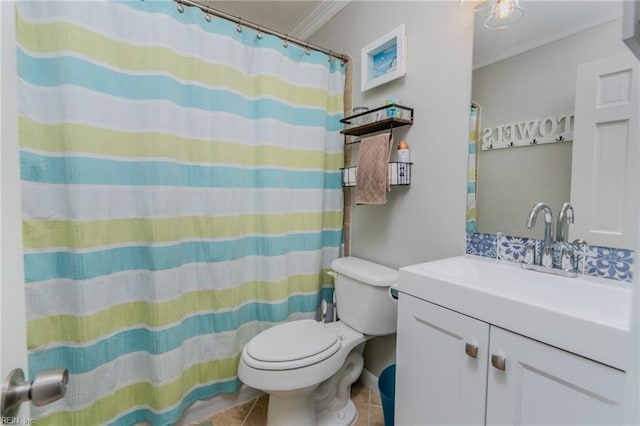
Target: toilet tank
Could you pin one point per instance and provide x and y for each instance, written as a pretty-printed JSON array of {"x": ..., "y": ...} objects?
[{"x": 362, "y": 298}]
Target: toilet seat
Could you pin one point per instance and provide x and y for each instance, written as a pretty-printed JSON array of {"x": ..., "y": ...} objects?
[{"x": 291, "y": 345}]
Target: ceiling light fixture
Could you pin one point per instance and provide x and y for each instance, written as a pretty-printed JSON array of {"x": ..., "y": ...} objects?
[{"x": 503, "y": 13}]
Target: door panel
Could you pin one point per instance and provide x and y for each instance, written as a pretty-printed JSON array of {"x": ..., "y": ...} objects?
[
  {"x": 604, "y": 176},
  {"x": 12, "y": 296},
  {"x": 543, "y": 385},
  {"x": 432, "y": 349}
]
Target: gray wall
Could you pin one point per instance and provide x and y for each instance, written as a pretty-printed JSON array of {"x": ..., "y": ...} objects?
[
  {"x": 535, "y": 84},
  {"x": 425, "y": 221}
]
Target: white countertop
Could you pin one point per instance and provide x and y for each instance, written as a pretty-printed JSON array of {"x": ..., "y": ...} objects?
[{"x": 585, "y": 315}]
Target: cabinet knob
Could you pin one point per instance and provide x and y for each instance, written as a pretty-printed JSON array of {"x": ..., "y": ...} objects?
[
  {"x": 498, "y": 362},
  {"x": 471, "y": 350}
]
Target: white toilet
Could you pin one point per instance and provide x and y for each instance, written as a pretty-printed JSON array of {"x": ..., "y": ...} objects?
[{"x": 307, "y": 367}]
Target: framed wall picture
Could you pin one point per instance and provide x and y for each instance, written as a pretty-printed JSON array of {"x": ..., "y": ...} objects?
[{"x": 384, "y": 60}]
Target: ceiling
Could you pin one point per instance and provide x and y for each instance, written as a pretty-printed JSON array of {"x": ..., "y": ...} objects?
[{"x": 544, "y": 21}]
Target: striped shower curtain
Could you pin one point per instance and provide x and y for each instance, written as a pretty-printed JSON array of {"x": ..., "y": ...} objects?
[
  {"x": 472, "y": 170},
  {"x": 181, "y": 193}
]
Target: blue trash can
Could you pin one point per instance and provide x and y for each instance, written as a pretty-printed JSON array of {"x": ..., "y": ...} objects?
[{"x": 387, "y": 387}]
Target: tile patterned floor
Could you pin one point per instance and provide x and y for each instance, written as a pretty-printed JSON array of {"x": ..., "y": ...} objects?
[{"x": 254, "y": 412}]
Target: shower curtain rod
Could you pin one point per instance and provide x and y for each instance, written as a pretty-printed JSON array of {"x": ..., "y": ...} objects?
[{"x": 287, "y": 38}]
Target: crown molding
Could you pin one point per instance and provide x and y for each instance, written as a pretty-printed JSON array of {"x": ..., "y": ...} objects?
[
  {"x": 317, "y": 18},
  {"x": 496, "y": 57}
]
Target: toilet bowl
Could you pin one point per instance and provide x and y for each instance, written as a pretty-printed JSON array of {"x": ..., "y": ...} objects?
[{"x": 307, "y": 367}]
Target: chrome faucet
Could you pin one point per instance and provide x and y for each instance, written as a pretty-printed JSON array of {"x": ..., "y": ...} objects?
[
  {"x": 547, "y": 254},
  {"x": 565, "y": 217},
  {"x": 566, "y": 267}
]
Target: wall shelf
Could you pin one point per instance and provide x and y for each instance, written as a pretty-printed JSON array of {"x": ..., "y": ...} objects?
[
  {"x": 376, "y": 126},
  {"x": 377, "y": 120}
]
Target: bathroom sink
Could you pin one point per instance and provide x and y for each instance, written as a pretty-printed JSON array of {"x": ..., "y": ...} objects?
[{"x": 585, "y": 315}]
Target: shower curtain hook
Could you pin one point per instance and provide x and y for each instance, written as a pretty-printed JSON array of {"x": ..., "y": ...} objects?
[
  {"x": 180, "y": 7},
  {"x": 285, "y": 43},
  {"x": 207, "y": 16},
  {"x": 238, "y": 25},
  {"x": 330, "y": 56},
  {"x": 307, "y": 51},
  {"x": 259, "y": 35}
]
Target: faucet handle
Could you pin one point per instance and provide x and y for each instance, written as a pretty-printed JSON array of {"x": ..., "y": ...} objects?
[
  {"x": 567, "y": 260},
  {"x": 530, "y": 253},
  {"x": 547, "y": 257}
]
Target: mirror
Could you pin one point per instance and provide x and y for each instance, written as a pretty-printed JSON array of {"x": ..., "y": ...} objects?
[{"x": 523, "y": 74}]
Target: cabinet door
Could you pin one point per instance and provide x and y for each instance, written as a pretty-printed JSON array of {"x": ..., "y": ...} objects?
[
  {"x": 440, "y": 380},
  {"x": 543, "y": 385},
  {"x": 604, "y": 176}
]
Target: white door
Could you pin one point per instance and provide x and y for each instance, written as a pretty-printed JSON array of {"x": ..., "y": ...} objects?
[
  {"x": 49, "y": 385},
  {"x": 604, "y": 175},
  {"x": 441, "y": 365},
  {"x": 543, "y": 385},
  {"x": 12, "y": 301}
]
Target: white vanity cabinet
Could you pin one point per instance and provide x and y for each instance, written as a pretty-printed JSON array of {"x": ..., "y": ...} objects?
[
  {"x": 544, "y": 385},
  {"x": 454, "y": 369},
  {"x": 437, "y": 382}
]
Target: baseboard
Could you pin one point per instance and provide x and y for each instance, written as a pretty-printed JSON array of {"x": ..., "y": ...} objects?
[
  {"x": 370, "y": 380},
  {"x": 202, "y": 410}
]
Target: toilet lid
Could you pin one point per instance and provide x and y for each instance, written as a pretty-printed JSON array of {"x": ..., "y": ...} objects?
[{"x": 291, "y": 341}]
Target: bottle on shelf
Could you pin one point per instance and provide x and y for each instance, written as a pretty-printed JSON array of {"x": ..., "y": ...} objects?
[
  {"x": 403, "y": 152},
  {"x": 403, "y": 160}
]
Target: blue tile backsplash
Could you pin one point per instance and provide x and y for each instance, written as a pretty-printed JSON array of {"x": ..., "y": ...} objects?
[
  {"x": 481, "y": 244},
  {"x": 603, "y": 262},
  {"x": 611, "y": 263}
]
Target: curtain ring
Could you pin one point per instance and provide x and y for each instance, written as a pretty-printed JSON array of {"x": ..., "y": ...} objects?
[
  {"x": 343, "y": 62},
  {"x": 307, "y": 51},
  {"x": 259, "y": 35},
  {"x": 180, "y": 8},
  {"x": 285, "y": 43},
  {"x": 207, "y": 17},
  {"x": 238, "y": 25},
  {"x": 330, "y": 57}
]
